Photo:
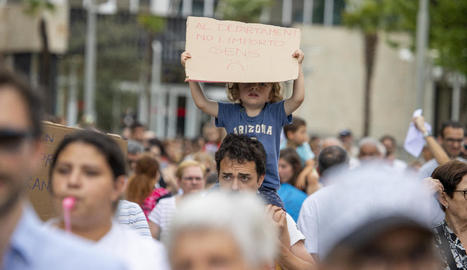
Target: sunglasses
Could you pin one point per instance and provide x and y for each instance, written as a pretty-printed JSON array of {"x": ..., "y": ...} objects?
[{"x": 11, "y": 140}]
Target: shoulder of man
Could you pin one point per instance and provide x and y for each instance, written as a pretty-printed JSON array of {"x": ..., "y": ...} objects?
[{"x": 427, "y": 169}]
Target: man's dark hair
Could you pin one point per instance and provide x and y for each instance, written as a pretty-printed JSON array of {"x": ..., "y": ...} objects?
[
  {"x": 104, "y": 145},
  {"x": 242, "y": 148},
  {"x": 297, "y": 122},
  {"x": 447, "y": 124},
  {"x": 331, "y": 156},
  {"x": 156, "y": 142},
  {"x": 31, "y": 98},
  {"x": 388, "y": 137},
  {"x": 450, "y": 175},
  {"x": 135, "y": 125}
]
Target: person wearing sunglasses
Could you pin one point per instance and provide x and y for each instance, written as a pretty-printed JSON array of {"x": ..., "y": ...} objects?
[
  {"x": 24, "y": 242},
  {"x": 451, "y": 235}
]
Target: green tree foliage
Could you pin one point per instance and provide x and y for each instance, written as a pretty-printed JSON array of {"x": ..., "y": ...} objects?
[
  {"x": 366, "y": 16},
  {"x": 151, "y": 23},
  {"x": 119, "y": 58},
  {"x": 35, "y": 6},
  {"x": 242, "y": 10},
  {"x": 447, "y": 26},
  {"x": 448, "y": 33},
  {"x": 447, "y": 36}
]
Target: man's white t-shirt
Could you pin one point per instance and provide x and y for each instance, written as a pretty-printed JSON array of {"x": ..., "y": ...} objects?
[
  {"x": 308, "y": 221},
  {"x": 294, "y": 233}
]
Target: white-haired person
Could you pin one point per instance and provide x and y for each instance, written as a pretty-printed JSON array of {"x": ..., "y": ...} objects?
[
  {"x": 369, "y": 150},
  {"x": 209, "y": 232}
]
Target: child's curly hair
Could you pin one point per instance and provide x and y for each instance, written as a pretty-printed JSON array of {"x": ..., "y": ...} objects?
[{"x": 233, "y": 92}]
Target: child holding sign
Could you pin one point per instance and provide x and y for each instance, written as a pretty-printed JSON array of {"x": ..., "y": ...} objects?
[{"x": 258, "y": 111}]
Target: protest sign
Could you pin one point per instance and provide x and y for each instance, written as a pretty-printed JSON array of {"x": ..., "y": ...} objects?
[
  {"x": 229, "y": 51},
  {"x": 38, "y": 185}
]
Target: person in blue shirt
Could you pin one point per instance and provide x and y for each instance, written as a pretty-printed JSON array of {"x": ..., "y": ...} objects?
[
  {"x": 289, "y": 169},
  {"x": 258, "y": 111},
  {"x": 24, "y": 242},
  {"x": 297, "y": 138}
]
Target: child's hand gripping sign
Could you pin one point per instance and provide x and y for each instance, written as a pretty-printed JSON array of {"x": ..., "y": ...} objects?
[{"x": 229, "y": 51}]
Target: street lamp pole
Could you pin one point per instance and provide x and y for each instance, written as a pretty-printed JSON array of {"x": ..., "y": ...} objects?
[
  {"x": 90, "y": 63},
  {"x": 422, "y": 39}
]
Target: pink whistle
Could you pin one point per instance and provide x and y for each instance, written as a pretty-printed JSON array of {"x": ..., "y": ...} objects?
[{"x": 68, "y": 204}]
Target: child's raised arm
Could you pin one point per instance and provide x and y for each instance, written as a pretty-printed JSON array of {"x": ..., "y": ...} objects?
[
  {"x": 298, "y": 95},
  {"x": 208, "y": 106}
]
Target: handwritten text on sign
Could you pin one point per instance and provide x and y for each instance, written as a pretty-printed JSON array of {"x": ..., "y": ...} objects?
[{"x": 229, "y": 51}]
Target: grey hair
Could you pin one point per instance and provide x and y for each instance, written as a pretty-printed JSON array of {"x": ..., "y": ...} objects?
[
  {"x": 332, "y": 141},
  {"x": 372, "y": 141},
  {"x": 242, "y": 215}
]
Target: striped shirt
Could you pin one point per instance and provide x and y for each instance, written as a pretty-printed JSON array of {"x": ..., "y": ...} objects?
[
  {"x": 162, "y": 214},
  {"x": 131, "y": 215}
]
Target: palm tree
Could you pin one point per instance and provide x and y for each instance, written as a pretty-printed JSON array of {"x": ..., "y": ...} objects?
[
  {"x": 38, "y": 8},
  {"x": 367, "y": 16}
]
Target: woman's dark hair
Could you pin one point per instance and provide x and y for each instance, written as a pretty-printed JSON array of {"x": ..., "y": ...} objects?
[
  {"x": 291, "y": 157},
  {"x": 450, "y": 175},
  {"x": 156, "y": 142},
  {"x": 104, "y": 144}
]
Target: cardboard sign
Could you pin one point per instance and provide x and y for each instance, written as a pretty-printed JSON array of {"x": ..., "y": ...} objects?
[
  {"x": 229, "y": 51},
  {"x": 38, "y": 185}
]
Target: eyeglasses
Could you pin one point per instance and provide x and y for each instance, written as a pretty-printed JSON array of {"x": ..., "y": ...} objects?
[
  {"x": 11, "y": 140},
  {"x": 452, "y": 140},
  {"x": 191, "y": 178},
  {"x": 464, "y": 191}
]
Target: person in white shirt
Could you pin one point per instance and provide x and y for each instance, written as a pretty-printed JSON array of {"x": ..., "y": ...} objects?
[
  {"x": 191, "y": 178},
  {"x": 390, "y": 144},
  {"x": 131, "y": 215},
  {"x": 89, "y": 167},
  {"x": 331, "y": 160}
]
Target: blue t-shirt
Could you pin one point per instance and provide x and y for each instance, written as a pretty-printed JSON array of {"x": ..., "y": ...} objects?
[
  {"x": 265, "y": 127},
  {"x": 303, "y": 151},
  {"x": 293, "y": 199}
]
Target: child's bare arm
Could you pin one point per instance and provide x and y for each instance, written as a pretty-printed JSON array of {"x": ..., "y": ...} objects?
[
  {"x": 298, "y": 95},
  {"x": 208, "y": 106}
]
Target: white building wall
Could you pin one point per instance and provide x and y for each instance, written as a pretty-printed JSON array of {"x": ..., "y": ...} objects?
[{"x": 334, "y": 81}]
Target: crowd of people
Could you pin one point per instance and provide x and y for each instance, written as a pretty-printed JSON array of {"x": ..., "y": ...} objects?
[{"x": 254, "y": 192}]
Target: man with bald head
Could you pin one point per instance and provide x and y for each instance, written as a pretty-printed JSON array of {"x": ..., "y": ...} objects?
[{"x": 370, "y": 149}]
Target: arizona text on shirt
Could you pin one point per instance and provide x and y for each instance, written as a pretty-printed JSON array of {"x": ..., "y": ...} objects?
[{"x": 257, "y": 129}]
